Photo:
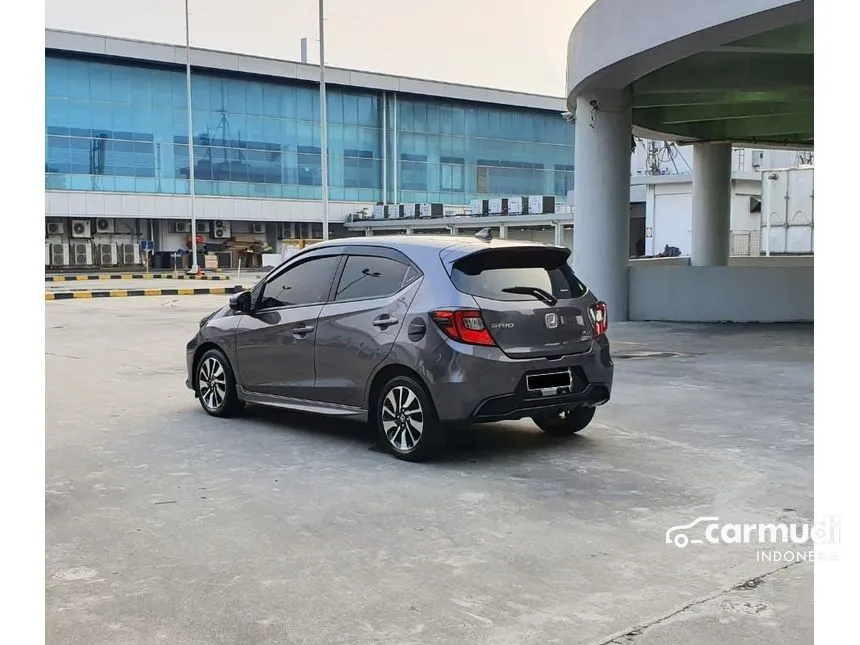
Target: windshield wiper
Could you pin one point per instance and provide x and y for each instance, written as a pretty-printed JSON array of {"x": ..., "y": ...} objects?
[{"x": 537, "y": 292}]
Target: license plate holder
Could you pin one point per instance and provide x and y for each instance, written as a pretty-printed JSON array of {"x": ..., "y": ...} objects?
[{"x": 550, "y": 383}]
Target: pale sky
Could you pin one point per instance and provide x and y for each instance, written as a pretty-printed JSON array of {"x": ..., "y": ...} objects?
[{"x": 511, "y": 44}]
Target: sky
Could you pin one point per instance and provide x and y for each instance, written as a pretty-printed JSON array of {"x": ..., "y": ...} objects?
[{"x": 516, "y": 45}]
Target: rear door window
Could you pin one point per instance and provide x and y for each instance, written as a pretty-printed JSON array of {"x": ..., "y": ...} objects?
[{"x": 367, "y": 276}]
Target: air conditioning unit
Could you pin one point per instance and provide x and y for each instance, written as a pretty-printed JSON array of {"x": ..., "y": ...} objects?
[
  {"x": 182, "y": 227},
  {"x": 258, "y": 228},
  {"x": 394, "y": 211},
  {"x": 55, "y": 228},
  {"x": 56, "y": 255},
  {"x": 106, "y": 254},
  {"x": 104, "y": 225},
  {"x": 129, "y": 254},
  {"x": 410, "y": 211},
  {"x": 430, "y": 210},
  {"x": 541, "y": 204},
  {"x": 220, "y": 229},
  {"x": 479, "y": 207},
  {"x": 498, "y": 206},
  {"x": 203, "y": 227},
  {"x": 81, "y": 228},
  {"x": 518, "y": 205},
  {"x": 379, "y": 212},
  {"x": 82, "y": 253}
]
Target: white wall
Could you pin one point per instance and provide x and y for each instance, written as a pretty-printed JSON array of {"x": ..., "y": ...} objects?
[
  {"x": 669, "y": 212},
  {"x": 722, "y": 294}
]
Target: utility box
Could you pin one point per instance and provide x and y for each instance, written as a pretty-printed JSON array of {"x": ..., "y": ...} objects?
[{"x": 787, "y": 211}]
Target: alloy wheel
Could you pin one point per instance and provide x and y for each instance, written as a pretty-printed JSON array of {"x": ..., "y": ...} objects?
[
  {"x": 212, "y": 382},
  {"x": 402, "y": 418}
]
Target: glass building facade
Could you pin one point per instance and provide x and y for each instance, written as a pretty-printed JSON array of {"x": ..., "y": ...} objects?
[{"x": 122, "y": 127}]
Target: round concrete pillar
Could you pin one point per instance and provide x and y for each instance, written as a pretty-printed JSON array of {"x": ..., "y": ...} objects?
[
  {"x": 712, "y": 204},
  {"x": 601, "y": 197}
]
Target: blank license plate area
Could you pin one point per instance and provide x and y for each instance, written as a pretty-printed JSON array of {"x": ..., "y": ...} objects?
[{"x": 551, "y": 381}]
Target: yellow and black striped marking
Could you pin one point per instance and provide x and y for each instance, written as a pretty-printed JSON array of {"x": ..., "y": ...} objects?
[
  {"x": 127, "y": 293},
  {"x": 132, "y": 276}
]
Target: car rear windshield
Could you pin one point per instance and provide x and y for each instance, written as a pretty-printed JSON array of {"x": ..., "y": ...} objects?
[{"x": 487, "y": 274}]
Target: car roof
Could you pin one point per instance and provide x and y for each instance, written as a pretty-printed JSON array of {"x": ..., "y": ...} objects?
[{"x": 464, "y": 243}]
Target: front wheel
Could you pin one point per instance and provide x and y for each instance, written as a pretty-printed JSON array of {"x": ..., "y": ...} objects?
[
  {"x": 566, "y": 423},
  {"x": 216, "y": 385},
  {"x": 406, "y": 420}
]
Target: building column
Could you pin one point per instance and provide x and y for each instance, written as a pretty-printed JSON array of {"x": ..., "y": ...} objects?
[
  {"x": 712, "y": 204},
  {"x": 503, "y": 231},
  {"x": 601, "y": 197},
  {"x": 368, "y": 232}
]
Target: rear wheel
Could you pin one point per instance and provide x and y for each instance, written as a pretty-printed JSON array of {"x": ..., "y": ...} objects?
[
  {"x": 216, "y": 385},
  {"x": 566, "y": 423},
  {"x": 407, "y": 421}
]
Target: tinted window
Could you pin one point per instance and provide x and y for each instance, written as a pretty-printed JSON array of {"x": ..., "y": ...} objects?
[
  {"x": 305, "y": 284},
  {"x": 489, "y": 281},
  {"x": 372, "y": 277}
]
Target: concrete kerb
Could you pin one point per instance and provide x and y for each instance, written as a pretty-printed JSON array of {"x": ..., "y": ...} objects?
[
  {"x": 131, "y": 276},
  {"x": 126, "y": 293}
]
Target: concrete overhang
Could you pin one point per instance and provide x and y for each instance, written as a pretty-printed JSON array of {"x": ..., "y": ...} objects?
[{"x": 738, "y": 71}]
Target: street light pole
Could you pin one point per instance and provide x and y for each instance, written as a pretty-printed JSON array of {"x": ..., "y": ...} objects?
[
  {"x": 323, "y": 125},
  {"x": 194, "y": 266}
]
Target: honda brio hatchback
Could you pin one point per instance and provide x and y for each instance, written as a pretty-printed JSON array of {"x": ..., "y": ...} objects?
[{"x": 417, "y": 335}]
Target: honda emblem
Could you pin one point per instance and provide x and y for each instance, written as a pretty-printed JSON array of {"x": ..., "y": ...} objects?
[{"x": 551, "y": 320}]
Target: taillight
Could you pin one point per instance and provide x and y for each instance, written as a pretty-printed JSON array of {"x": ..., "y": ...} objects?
[
  {"x": 599, "y": 319},
  {"x": 463, "y": 325}
]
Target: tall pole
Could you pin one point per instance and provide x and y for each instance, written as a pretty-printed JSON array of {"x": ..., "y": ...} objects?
[
  {"x": 194, "y": 266},
  {"x": 394, "y": 152},
  {"x": 323, "y": 125}
]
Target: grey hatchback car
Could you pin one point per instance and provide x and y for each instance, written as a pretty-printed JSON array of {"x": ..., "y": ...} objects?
[{"x": 413, "y": 334}]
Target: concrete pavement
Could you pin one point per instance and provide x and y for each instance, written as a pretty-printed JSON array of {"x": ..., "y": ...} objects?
[{"x": 164, "y": 524}]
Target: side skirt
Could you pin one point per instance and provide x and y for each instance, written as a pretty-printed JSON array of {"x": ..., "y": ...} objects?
[{"x": 302, "y": 405}]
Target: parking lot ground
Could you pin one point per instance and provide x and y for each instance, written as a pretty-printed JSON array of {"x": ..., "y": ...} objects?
[{"x": 166, "y": 525}]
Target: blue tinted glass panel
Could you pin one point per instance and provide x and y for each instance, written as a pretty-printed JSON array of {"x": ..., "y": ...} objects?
[{"x": 112, "y": 126}]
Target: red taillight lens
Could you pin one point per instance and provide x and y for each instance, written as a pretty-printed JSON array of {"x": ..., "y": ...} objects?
[
  {"x": 463, "y": 325},
  {"x": 599, "y": 319}
]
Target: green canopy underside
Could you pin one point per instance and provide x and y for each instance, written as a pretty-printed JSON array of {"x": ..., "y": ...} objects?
[{"x": 758, "y": 90}]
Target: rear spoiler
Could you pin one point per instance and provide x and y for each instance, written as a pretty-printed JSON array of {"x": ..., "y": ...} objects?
[{"x": 537, "y": 255}]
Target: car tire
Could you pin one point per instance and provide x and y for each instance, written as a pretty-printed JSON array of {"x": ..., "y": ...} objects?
[
  {"x": 406, "y": 421},
  {"x": 566, "y": 423},
  {"x": 215, "y": 385}
]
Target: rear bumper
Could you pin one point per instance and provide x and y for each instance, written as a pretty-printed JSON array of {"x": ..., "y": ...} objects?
[
  {"x": 479, "y": 384},
  {"x": 517, "y": 406}
]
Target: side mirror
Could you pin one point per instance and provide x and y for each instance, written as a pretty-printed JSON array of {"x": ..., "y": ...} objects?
[{"x": 241, "y": 302}]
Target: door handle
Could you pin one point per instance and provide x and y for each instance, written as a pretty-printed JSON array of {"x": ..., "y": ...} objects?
[
  {"x": 385, "y": 321},
  {"x": 302, "y": 331}
]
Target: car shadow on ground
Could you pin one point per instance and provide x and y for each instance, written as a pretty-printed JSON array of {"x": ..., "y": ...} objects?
[{"x": 466, "y": 443}]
